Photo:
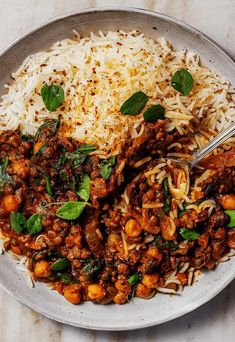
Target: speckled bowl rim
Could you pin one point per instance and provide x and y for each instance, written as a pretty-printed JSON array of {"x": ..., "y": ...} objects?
[{"x": 222, "y": 284}]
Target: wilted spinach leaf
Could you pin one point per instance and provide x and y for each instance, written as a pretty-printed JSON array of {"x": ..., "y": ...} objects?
[
  {"x": 18, "y": 222},
  {"x": 71, "y": 210},
  {"x": 167, "y": 197},
  {"x": 189, "y": 234},
  {"x": 92, "y": 267},
  {"x": 4, "y": 177},
  {"x": 106, "y": 167}
]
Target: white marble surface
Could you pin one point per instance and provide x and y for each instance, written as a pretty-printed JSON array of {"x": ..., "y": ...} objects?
[{"x": 215, "y": 320}]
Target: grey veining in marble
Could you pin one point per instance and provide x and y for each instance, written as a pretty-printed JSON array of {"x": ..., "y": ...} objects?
[{"x": 215, "y": 320}]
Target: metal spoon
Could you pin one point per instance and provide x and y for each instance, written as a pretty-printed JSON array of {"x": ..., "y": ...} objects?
[{"x": 209, "y": 147}]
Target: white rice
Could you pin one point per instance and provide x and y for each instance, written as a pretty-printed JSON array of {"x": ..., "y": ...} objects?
[{"x": 98, "y": 73}]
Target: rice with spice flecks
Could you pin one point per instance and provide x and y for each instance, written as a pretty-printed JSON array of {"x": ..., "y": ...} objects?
[{"x": 99, "y": 72}]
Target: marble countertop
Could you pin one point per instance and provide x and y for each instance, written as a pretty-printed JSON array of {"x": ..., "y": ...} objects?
[{"x": 215, "y": 320}]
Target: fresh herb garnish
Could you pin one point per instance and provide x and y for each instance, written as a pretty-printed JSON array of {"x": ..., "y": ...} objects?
[
  {"x": 62, "y": 160},
  {"x": 92, "y": 267},
  {"x": 135, "y": 104},
  {"x": 134, "y": 279},
  {"x": 86, "y": 148},
  {"x": 41, "y": 150},
  {"x": 189, "y": 234},
  {"x": 53, "y": 124},
  {"x": 182, "y": 81},
  {"x": 61, "y": 265},
  {"x": 18, "y": 222},
  {"x": 64, "y": 278},
  {"x": 154, "y": 113},
  {"x": 231, "y": 214},
  {"x": 80, "y": 154},
  {"x": 167, "y": 197},
  {"x": 48, "y": 185},
  {"x": 47, "y": 254},
  {"x": 84, "y": 188},
  {"x": 162, "y": 244},
  {"x": 52, "y": 96},
  {"x": 182, "y": 211},
  {"x": 36, "y": 180},
  {"x": 71, "y": 210},
  {"x": 4, "y": 177},
  {"x": 34, "y": 224},
  {"x": 107, "y": 166}
]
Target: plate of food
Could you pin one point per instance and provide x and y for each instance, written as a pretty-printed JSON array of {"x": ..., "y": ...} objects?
[{"x": 100, "y": 227}]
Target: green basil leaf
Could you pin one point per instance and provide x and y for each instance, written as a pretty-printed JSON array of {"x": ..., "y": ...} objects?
[
  {"x": 160, "y": 242},
  {"x": 189, "y": 234},
  {"x": 107, "y": 166},
  {"x": 27, "y": 137},
  {"x": 52, "y": 124},
  {"x": 167, "y": 197},
  {"x": 182, "y": 81},
  {"x": 106, "y": 171},
  {"x": 64, "y": 278},
  {"x": 71, "y": 210},
  {"x": 163, "y": 244},
  {"x": 84, "y": 188},
  {"x": 80, "y": 154},
  {"x": 52, "y": 96},
  {"x": 92, "y": 267},
  {"x": 134, "y": 279},
  {"x": 41, "y": 150},
  {"x": 135, "y": 104},
  {"x": 86, "y": 147},
  {"x": 61, "y": 161},
  {"x": 18, "y": 222},
  {"x": 36, "y": 180},
  {"x": 182, "y": 211},
  {"x": 231, "y": 214},
  {"x": 48, "y": 185},
  {"x": 4, "y": 177},
  {"x": 61, "y": 265},
  {"x": 34, "y": 224},
  {"x": 154, "y": 113}
]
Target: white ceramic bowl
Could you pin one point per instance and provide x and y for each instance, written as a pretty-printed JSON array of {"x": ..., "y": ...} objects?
[{"x": 138, "y": 313}]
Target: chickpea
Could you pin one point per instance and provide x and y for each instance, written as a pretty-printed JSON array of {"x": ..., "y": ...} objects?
[
  {"x": 59, "y": 288},
  {"x": 133, "y": 228},
  {"x": 143, "y": 291},
  {"x": 110, "y": 294},
  {"x": 37, "y": 146},
  {"x": 72, "y": 293},
  {"x": 168, "y": 228},
  {"x": 150, "y": 280},
  {"x": 120, "y": 297},
  {"x": 153, "y": 252},
  {"x": 10, "y": 203},
  {"x": 122, "y": 285},
  {"x": 21, "y": 168},
  {"x": 115, "y": 243},
  {"x": 42, "y": 269},
  {"x": 228, "y": 202},
  {"x": 16, "y": 250},
  {"x": 96, "y": 292}
]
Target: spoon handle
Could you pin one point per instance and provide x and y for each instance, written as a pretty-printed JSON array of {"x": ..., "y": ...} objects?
[{"x": 211, "y": 145}]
